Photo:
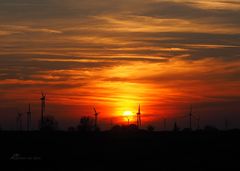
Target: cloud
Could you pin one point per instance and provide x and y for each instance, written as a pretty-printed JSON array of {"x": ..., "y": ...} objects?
[{"x": 18, "y": 29}]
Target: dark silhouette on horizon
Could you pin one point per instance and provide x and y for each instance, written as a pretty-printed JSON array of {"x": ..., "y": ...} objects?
[
  {"x": 43, "y": 107},
  {"x": 86, "y": 124},
  {"x": 175, "y": 127},
  {"x": 29, "y": 118},
  {"x": 150, "y": 128},
  {"x": 190, "y": 118},
  {"x": 19, "y": 121},
  {"x": 165, "y": 124},
  {"x": 139, "y": 120},
  {"x": 49, "y": 123},
  {"x": 96, "y": 119}
]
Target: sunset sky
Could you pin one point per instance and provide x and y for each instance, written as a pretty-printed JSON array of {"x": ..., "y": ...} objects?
[{"x": 116, "y": 54}]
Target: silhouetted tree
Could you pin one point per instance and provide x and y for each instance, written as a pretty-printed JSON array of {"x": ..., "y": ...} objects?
[
  {"x": 49, "y": 124},
  {"x": 150, "y": 128},
  {"x": 86, "y": 124}
]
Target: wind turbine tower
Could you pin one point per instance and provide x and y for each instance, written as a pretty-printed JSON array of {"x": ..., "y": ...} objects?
[
  {"x": 96, "y": 118},
  {"x": 190, "y": 118},
  {"x": 165, "y": 124},
  {"x": 43, "y": 107},
  {"x": 29, "y": 118},
  {"x": 198, "y": 122},
  {"x": 19, "y": 121},
  {"x": 139, "y": 122},
  {"x": 226, "y": 124}
]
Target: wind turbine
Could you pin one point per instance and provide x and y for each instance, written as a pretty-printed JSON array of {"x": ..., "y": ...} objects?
[
  {"x": 198, "y": 122},
  {"x": 29, "y": 118},
  {"x": 139, "y": 122},
  {"x": 197, "y": 118},
  {"x": 111, "y": 122},
  {"x": 43, "y": 107},
  {"x": 190, "y": 118},
  {"x": 19, "y": 121},
  {"x": 96, "y": 118},
  {"x": 226, "y": 123},
  {"x": 165, "y": 124}
]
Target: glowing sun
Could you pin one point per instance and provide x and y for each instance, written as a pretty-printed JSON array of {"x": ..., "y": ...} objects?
[{"x": 128, "y": 115}]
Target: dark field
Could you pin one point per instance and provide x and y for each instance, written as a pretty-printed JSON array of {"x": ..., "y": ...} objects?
[{"x": 107, "y": 150}]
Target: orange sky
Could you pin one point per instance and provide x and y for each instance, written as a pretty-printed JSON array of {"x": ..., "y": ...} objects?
[{"x": 162, "y": 54}]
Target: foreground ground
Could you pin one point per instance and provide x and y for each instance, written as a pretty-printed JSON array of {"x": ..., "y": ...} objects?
[{"x": 106, "y": 150}]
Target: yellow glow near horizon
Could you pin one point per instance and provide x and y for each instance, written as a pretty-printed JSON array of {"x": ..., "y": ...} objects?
[{"x": 128, "y": 115}]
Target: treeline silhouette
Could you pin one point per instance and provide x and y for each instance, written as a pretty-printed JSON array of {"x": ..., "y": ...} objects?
[{"x": 87, "y": 124}]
